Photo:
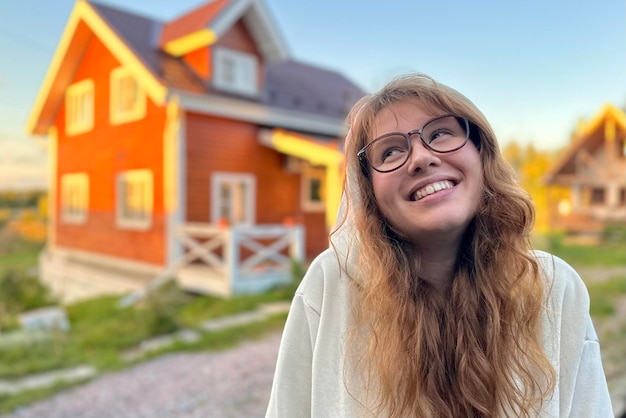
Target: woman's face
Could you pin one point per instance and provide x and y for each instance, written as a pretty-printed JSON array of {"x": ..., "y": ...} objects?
[{"x": 432, "y": 197}]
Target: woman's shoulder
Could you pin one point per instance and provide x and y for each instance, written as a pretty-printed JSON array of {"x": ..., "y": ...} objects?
[
  {"x": 562, "y": 281},
  {"x": 324, "y": 278},
  {"x": 552, "y": 263}
]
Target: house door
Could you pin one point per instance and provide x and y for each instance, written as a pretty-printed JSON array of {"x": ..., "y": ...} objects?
[{"x": 233, "y": 198}]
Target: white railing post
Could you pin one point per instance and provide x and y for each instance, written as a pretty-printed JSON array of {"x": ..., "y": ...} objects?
[
  {"x": 296, "y": 249},
  {"x": 231, "y": 256}
]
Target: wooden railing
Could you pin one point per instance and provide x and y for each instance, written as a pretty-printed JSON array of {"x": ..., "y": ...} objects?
[
  {"x": 238, "y": 259},
  {"x": 225, "y": 261}
]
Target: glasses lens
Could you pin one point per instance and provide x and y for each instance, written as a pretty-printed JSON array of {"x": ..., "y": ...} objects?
[
  {"x": 388, "y": 153},
  {"x": 445, "y": 134}
]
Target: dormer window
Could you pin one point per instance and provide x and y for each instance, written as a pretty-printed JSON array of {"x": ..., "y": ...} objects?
[
  {"x": 128, "y": 100},
  {"x": 235, "y": 72}
]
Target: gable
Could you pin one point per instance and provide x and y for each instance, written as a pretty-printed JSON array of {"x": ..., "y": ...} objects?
[
  {"x": 225, "y": 43},
  {"x": 597, "y": 147},
  {"x": 237, "y": 38},
  {"x": 83, "y": 24}
]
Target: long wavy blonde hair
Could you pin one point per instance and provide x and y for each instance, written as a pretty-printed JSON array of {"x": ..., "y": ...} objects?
[{"x": 475, "y": 351}]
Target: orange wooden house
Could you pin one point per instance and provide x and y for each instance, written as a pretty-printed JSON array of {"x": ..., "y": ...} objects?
[
  {"x": 593, "y": 167},
  {"x": 194, "y": 148}
]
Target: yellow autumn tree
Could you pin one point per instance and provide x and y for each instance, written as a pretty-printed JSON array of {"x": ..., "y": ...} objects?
[
  {"x": 513, "y": 153},
  {"x": 531, "y": 166},
  {"x": 534, "y": 167}
]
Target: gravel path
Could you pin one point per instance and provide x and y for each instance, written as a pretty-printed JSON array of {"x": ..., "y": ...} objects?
[{"x": 230, "y": 384}]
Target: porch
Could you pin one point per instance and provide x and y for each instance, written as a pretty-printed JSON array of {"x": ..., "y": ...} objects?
[
  {"x": 230, "y": 260},
  {"x": 216, "y": 260}
]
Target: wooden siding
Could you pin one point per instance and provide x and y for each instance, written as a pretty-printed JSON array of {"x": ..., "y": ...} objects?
[
  {"x": 238, "y": 37},
  {"x": 102, "y": 153},
  {"x": 224, "y": 145},
  {"x": 316, "y": 233}
]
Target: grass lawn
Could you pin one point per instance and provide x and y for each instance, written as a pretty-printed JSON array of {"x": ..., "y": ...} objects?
[
  {"x": 607, "y": 256},
  {"x": 611, "y": 254},
  {"x": 24, "y": 258}
]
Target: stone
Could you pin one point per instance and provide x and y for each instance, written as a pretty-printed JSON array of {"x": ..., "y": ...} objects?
[{"x": 45, "y": 319}]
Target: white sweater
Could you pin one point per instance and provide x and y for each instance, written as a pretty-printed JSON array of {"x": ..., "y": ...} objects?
[{"x": 309, "y": 373}]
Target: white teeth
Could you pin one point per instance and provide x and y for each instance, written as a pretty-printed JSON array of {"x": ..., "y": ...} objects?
[{"x": 433, "y": 188}]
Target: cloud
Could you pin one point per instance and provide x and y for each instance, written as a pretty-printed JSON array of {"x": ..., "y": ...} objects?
[
  {"x": 23, "y": 164},
  {"x": 23, "y": 177},
  {"x": 21, "y": 151}
]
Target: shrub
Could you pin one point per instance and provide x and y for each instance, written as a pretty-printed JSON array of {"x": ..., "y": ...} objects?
[
  {"x": 298, "y": 270},
  {"x": 162, "y": 305},
  {"x": 614, "y": 233},
  {"x": 20, "y": 292},
  {"x": 5, "y": 215}
]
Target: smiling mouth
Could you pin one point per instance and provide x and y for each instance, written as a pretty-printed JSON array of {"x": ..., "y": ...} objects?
[{"x": 433, "y": 188}]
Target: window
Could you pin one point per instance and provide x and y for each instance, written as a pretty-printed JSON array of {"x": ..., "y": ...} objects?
[
  {"x": 313, "y": 188},
  {"x": 128, "y": 99},
  {"x": 233, "y": 198},
  {"x": 74, "y": 198},
  {"x": 134, "y": 194},
  {"x": 597, "y": 196},
  {"x": 235, "y": 72},
  {"x": 79, "y": 107}
]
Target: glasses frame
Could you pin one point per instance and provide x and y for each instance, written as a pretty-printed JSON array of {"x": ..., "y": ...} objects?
[{"x": 362, "y": 154}]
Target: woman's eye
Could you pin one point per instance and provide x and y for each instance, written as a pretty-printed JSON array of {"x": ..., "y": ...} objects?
[
  {"x": 440, "y": 133},
  {"x": 391, "y": 153}
]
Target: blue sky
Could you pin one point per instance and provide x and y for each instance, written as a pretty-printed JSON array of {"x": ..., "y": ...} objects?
[{"x": 534, "y": 67}]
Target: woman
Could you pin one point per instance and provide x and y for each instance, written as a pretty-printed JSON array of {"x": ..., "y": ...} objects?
[{"x": 430, "y": 301}]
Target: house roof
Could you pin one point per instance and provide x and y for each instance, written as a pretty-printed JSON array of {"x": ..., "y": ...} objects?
[
  {"x": 138, "y": 41},
  {"x": 308, "y": 88},
  {"x": 195, "y": 20},
  {"x": 584, "y": 136},
  {"x": 204, "y": 25}
]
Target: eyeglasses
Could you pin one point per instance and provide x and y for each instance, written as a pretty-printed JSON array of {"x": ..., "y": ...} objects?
[{"x": 391, "y": 151}]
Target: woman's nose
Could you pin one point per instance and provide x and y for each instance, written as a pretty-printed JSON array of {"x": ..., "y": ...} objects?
[{"x": 421, "y": 157}]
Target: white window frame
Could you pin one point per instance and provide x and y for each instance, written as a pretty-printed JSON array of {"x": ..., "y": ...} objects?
[
  {"x": 235, "y": 72},
  {"x": 79, "y": 107},
  {"x": 74, "y": 198},
  {"x": 143, "y": 179},
  {"x": 245, "y": 208},
  {"x": 119, "y": 90},
  {"x": 309, "y": 175}
]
